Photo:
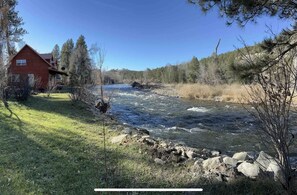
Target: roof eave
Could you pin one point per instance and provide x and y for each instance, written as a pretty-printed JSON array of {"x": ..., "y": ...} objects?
[{"x": 57, "y": 72}]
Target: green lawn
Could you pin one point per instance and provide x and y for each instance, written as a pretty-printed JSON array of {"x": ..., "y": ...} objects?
[{"x": 50, "y": 146}]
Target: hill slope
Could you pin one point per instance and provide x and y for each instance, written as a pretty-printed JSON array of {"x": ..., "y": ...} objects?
[{"x": 211, "y": 70}]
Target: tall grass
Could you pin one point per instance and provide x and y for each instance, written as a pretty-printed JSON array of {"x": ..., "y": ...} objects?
[{"x": 228, "y": 93}]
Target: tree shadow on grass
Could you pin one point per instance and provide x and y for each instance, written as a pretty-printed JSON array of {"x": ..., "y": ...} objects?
[
  {"x": 44, "y": 163},
  {"x": 10, "y": 120},
  {"x": 58, "y": 163}
]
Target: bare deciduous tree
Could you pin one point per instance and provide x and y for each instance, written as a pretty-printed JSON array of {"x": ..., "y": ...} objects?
[
  {"x": 272, "y": 97},
  {"x": 99, "y": 54},
  {"x": 102, "y": 105}
]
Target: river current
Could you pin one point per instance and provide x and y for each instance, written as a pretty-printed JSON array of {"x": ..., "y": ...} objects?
[{"x": 214, "y": 125}]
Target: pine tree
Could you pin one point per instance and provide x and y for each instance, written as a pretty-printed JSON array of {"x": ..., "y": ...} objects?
[
  {"x": 194, "y": 68},
  {"x": 80, "y": 63},
  {"x": 66, "y": 52},
  {"x": 56, "y": 53},
  {"x": 11, "y": 29},
  {"x": 11, "y": 32},
  {"x": 181, "y": 75},
  {"x": 241, "y": 11}
]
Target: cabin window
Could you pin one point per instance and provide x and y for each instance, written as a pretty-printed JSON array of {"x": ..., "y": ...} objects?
[{"x": 21, "y": 62}]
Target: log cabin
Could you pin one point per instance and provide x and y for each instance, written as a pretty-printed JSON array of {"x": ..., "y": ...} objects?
[{"x": 37, "y": 70}]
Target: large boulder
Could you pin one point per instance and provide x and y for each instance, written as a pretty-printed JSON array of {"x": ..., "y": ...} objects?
[
  {"x": 215, "y": 166},
  {"x": 264, "y": 160},
  {"x": 230, "y": 161},
  {"x": 269, "y": 164},
  {"x": 211, "y": 163},
  {"x": 240, "y": 156},
  {"x": 275, "y": 168},
  {"x": 226, "y": 171},
  {"x": 249, "y": 169},
  {"x": 137, "y": 85}
]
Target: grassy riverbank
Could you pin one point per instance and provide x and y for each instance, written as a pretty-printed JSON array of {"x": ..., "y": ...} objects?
[{"x": 50, "y": 146}]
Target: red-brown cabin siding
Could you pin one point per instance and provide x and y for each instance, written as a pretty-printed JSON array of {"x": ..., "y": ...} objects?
[{"x": 34, "y": 65}]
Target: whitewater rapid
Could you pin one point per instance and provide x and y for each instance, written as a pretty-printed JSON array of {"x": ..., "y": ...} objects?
[{"x": 227, "y": 127}]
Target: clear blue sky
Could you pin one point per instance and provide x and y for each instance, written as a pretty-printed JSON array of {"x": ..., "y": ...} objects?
[{"x": 137, "y": 34}]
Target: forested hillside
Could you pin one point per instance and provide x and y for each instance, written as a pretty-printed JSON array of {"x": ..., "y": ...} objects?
[{"x": 216, "y": 69}]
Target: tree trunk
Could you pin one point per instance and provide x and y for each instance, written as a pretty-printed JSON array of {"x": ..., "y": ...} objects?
[{"x": 284, "y": 163}]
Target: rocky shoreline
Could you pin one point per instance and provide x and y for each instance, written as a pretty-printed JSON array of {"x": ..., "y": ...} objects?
[{"x": 206, "y": 163}]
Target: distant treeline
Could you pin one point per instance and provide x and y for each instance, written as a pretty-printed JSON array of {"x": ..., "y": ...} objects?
[{"x": 216, "y": 69}]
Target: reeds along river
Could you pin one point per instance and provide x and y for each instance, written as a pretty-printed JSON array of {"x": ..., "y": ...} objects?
[{"x": 213, "y": 125}]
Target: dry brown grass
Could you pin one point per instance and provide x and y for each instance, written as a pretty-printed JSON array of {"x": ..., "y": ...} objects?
[
  {"x": 228, "y": 93},
  {"x": 235, "y": 93}
]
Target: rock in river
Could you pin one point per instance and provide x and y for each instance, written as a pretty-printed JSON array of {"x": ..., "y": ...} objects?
[{"x": 137, "y": 85}]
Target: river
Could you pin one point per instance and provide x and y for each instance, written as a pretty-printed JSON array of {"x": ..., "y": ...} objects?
[
  {"x": 203, "y": 124},
  {"x": 214, "y": 125}
]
